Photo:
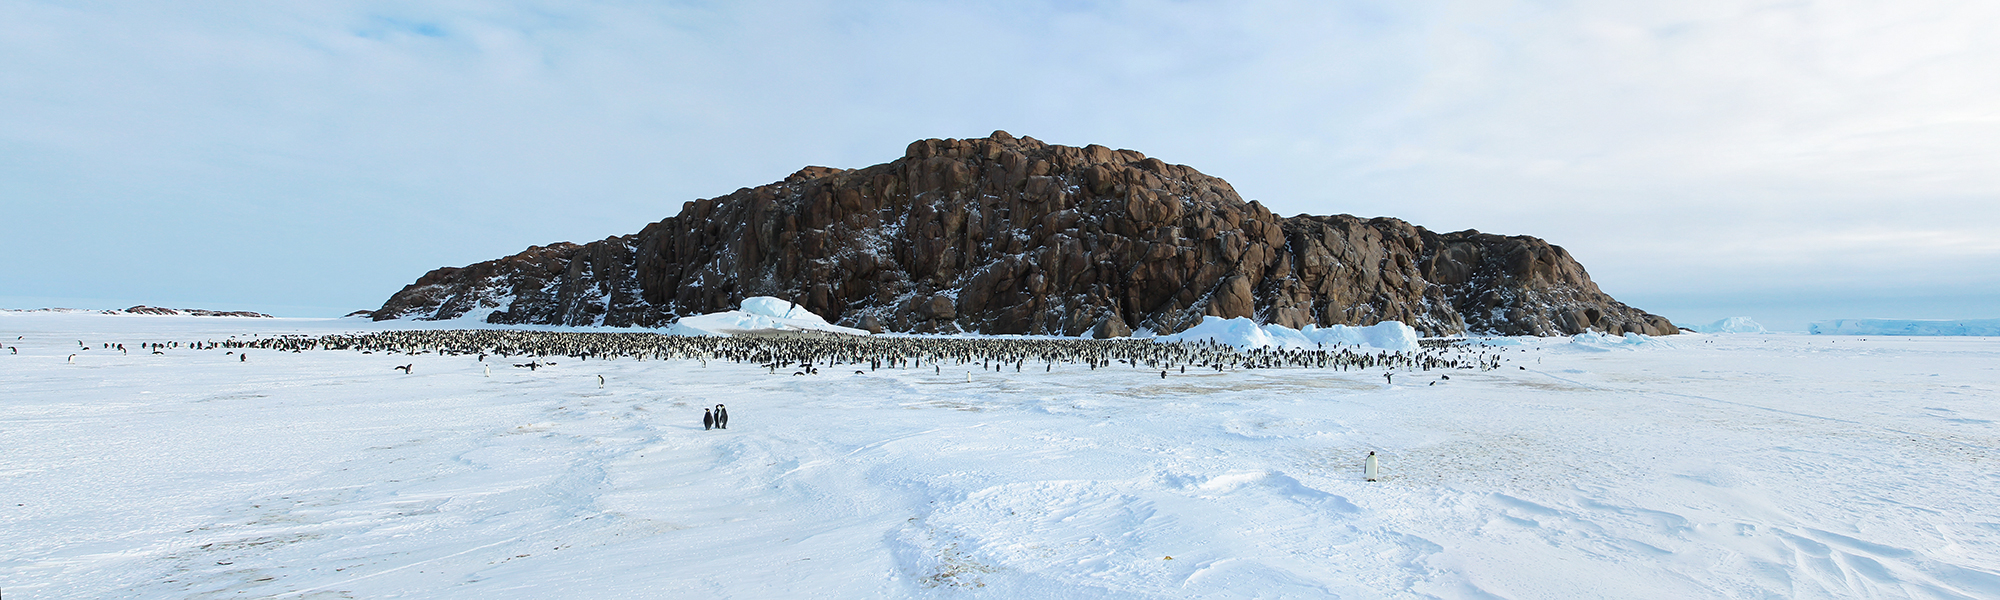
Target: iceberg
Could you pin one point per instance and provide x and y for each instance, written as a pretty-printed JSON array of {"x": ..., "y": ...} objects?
[
  {"x": 1905, "y": 327},
  {"x": 1730, "y": 325},
  {"x": 1241, "y": 332},
  {"x": 758, "y": 315},
  {"x": 1597, "y": 341}
]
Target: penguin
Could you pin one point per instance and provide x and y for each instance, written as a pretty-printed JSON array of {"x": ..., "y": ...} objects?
[
  {"x": 707, "y": 419},
  {"x": 1372, "y": 471},
  {"x": 72, "y": 359},
  {"x": 721, "y": 416},
  {"x": 1163, "y": 374},
  {"x": 406, "y": 368},
  {"x": 1389, "y": 377},
  {"x": 488, "y": 369},
  {"x": 244, "y": 357},
  {"x": 600, "y": 382}
]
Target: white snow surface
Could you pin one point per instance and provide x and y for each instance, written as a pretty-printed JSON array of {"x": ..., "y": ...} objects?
[
  {"x": 1762, "y": 466},
  {"x": 1960, "y": 327},
  {"x": 1243, "y": 333},
  {"x": 761, "y": 314},
  {"x": 1731, "y": 325}
]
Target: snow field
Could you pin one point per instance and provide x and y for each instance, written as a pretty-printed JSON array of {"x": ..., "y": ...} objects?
[{"x": 1703, "y": 466}]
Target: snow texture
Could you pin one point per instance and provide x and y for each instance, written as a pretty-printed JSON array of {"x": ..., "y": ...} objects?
[
  {"x": 1244, "y": 333},
  {"x": 1769, "y": 466},
  {"x": 1978, "y": 327}
]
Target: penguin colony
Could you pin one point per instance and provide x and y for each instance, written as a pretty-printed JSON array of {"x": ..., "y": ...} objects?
[{"x": 804, "y": 354}]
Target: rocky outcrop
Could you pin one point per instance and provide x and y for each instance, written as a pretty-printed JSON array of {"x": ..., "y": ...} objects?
[
  {"x": 1011, "y": 235},
  {"x": 187, "y": 312}
]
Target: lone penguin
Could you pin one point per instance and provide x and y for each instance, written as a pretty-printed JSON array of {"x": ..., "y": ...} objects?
[
  {"x": 721, "y": 417},
  {"x": 600, "y": 382},
  {"x": 1389, "y": 377},
  {"x": 244, "y": 357},
  {"x": 1372, "y": 471},
  {"x": 707, "y": 419},
  {"x": 406, "y": 368},
  {"x": 488, "y": 369}
]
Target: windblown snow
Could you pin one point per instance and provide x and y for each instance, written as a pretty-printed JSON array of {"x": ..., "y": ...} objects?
[{"x": 1700, "y": 466}]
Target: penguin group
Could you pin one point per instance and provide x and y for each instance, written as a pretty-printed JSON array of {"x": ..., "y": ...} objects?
[{"x": 804, "y": 355}]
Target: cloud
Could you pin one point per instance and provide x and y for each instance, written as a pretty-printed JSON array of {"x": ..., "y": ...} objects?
[{"x": 326, "y": 153}]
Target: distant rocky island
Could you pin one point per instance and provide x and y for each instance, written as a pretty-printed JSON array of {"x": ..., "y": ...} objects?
[
  {"x": 1007, "y": 235},
  {"x": 153, "y": 310}
]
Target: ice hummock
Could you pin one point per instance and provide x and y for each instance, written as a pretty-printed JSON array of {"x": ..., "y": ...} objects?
[
  {"x": 1241, "y": 332},
  {"x": 1905, "y": 327}
]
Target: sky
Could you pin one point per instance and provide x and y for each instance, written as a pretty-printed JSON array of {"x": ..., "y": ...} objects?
[{"x": 1786, "y": 161}]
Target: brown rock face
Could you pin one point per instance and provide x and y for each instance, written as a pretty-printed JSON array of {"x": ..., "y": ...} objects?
[{"x": 1011, "y": 235}]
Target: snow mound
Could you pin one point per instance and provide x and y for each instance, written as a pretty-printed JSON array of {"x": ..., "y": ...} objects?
[
  {"x": 1241, "y": 332},
  {"x": 1905, "y": 327},
  {"x": 1731, "y": 325},
  {"x": 759, "y": 315}
]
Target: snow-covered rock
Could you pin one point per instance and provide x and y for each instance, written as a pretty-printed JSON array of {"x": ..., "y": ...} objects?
[
  {"x": 1730, "y": 325},
  {"x": 1242, "y": 332},
  {"x": 1905, "y": 327}
]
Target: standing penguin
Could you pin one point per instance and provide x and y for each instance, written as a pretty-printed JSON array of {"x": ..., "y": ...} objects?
[
  {"x": 707, "y": 419},
  {"x": 721, "y": 417}
]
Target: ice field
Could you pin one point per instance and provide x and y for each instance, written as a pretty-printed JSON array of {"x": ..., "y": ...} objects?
[{"x": 1695, "y": 466}]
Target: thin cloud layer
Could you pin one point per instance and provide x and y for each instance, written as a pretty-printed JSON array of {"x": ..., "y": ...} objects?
[{"x": 317, "y": 156}]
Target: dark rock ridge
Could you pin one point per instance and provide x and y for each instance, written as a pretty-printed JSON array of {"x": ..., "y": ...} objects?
[
  {"x": 1011, "y": 235},
  {"x": 187, "y": 312}
]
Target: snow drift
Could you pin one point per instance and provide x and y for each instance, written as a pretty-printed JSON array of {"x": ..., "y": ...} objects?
[{"x": 1905, "y": 327}]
